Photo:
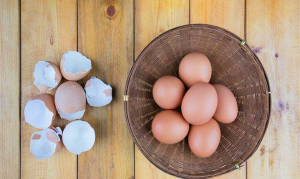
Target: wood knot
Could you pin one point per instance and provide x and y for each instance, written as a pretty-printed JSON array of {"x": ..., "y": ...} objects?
[{"x": 110, "y": 11}]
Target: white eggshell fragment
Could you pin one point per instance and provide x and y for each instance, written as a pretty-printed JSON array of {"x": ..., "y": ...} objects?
[
  {"x": 71, "y": 116},
  {"x": 40, "y": 111},
  {"x": 97, "y": 92},
  {"x": 44, "y": 143},
  {"x": 46, "y": 76},
  {"x": 78, "y": 137},
  {"x": 74, "y": 66}
]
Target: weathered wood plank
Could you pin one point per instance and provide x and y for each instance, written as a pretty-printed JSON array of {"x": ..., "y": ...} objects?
[
  {"x": 106, "y": 37},
  {"x": 229, "y": 14},
  {"x": 9, "y": 89},
  {"x": 49, "y": 28},
  {"x": 151, "y": 19},
  {"x": 273, "y": 32}
]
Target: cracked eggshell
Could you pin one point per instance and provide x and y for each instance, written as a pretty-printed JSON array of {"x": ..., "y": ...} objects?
[
  {"x": 44, "y": 143},
  {"x": 74, "y": 66},
  {"x": 40, "y": 111},
  {"x": 46, "y": 76},
  {"x": 58, "y": 131},
  {"x": 97, "y": 92},
  {"x": 78, "y": 137},
  {"x": 70, "y": 100}
]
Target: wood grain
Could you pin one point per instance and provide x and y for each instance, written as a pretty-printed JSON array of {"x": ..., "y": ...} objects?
[
  {"x": 49, "y": 29},
  {"x": 9, "y": 89},
  {"x": 106, "y": 37},
  {"x": 151, "y": 19},
  {"x": 273, "y": 33},
  {"x": 229, "y": 14}
]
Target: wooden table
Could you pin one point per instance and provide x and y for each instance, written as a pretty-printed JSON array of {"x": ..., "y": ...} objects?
[{"x": 112, "y": 33}]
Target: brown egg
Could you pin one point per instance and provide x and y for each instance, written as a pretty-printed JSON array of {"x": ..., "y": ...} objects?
[
  {"x": 70, "y": 100},
  {"x": 199, "y": 103},
  {"x": 169, "y": 127},
  {"x": 194, "y": 68},
  {"x": 204, "y": 139},
  {"x": 227, "y": 108},
  {"x": 168, "y": 92}
]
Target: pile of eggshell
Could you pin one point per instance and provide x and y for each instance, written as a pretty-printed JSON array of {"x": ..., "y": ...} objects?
[
  {"x": 70, "y": 103},
  {"x": 203, "y": 105}
]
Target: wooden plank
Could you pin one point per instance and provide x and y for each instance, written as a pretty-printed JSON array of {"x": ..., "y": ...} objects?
[
  {"x": 151, "y": 19},
  {"x": 106, "y": 37},
  {"x": 49, "y": 28},
  {"x": 229, "y": 14},
  {"x": 9, "y": 89},
  {"x": 273, "y": 32}
]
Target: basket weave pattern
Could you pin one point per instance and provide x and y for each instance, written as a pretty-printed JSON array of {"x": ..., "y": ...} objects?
[{"x": 234, "y": 65}]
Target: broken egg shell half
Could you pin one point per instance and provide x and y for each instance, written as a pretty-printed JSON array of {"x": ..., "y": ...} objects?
[
  {"x": 78, "y": 137},
  {"x": 44, "y": 143},
  {"x": 46, "y": 76},
  {"x": 97, "y": 92},
  {"x": 74, "y": 66},
  {"x": 40, "y": 111},
  {"x": 70, "y": 100}
]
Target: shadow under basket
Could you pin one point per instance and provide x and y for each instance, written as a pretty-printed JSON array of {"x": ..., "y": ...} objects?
[{"x": 234, "y": 65}]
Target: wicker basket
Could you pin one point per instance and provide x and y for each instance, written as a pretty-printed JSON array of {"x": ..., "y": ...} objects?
[{"x": 234, "y": 65}]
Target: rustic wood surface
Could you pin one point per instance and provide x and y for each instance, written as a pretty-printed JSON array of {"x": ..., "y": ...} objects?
[
  {"x": 48, "y": 29},
  {"x": 9, "y": 89},
  {"x": 106, "y": 37},
  {"x": 112, "y": 33},
  {"x": 273, "y": 31}
]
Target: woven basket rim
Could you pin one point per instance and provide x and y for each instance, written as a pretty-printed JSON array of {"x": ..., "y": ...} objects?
[{"x": 233, "y": 37}]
